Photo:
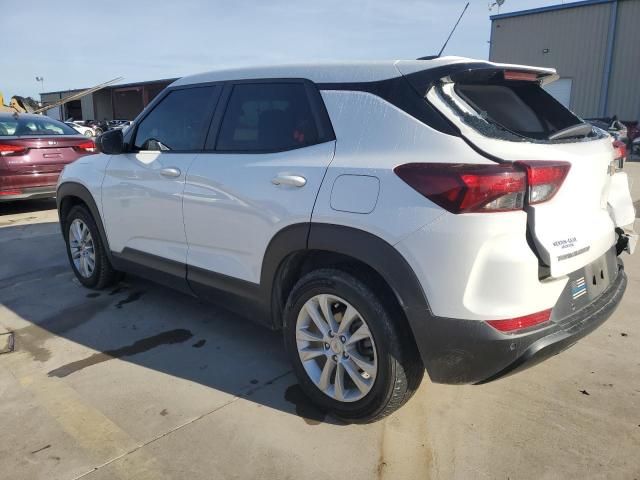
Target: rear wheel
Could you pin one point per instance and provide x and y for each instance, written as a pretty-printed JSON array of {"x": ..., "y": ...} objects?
[
  {"x": 86, "y": 250},
  {"x": 346, "y": 347}
]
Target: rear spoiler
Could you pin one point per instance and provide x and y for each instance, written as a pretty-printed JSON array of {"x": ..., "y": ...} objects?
[{"x": 422, "y": 79}]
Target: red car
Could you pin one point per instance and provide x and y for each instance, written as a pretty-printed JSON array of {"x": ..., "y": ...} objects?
[{"x": 33, "y": 151}]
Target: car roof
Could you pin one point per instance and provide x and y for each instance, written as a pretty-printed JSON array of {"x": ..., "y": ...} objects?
[
  {"x": 336, "y": 72},
  {"x": 325, "y": 72},
  {"x": 27, "y": 116}
]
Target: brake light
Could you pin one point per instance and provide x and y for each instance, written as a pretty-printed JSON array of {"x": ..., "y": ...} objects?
[
  {"x": 619, "y": 156},
  {"x": 464, "y": 188},
  {"x": 620, "y": 149},
  {"x": 522, "y": 76},
  {"x": 544, "y": 178},
  {"x": 512, "y": 325},
  {"x": 7, "y": 149},
  {"x": 10, "y": 192},
  {"x": 88, "y": 146}
]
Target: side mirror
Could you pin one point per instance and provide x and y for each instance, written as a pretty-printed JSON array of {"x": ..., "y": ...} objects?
[{"x": 111, "y": 142}]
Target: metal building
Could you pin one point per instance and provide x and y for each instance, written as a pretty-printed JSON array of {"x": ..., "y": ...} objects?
[
  {"x": 593, "y": 44},
  {"x": 121, "y": 102}
]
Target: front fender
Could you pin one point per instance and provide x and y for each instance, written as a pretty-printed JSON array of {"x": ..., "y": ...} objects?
[{"x": 72, "y": 193}]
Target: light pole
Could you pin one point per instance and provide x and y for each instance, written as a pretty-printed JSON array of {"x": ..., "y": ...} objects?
[
  {"x": 41, "y": 80},
  {"x": 497, "y": 3}
]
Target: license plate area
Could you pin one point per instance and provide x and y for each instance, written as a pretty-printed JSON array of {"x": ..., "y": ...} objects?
[
  {"x": 597, "y": 277},
  {"x": 585, "y": 285}
]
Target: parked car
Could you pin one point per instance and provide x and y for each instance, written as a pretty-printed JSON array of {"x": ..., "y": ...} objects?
[
  {"x": 635, "y": 146},
  {"x": 33, "y": 151},
  {"x": 98, "y": 126},
  {"x": 81, "y": 129},
  {"x": 633, "y": 130},
  {"x": 387, "y": 217},
  {"x": 119, "y": 125}
]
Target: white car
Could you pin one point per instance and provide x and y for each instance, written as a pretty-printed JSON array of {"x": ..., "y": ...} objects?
[
  {"x": 389, "y": 217},
  {"x": 82, "y": 129}
]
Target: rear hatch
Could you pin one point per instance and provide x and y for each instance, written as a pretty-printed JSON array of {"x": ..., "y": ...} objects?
[
  {"x": 41, "y": 155},
  {"x": 504, "y": 112}
]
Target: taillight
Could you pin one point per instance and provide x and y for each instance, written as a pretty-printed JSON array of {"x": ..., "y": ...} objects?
[
  {"x": 88, "y": 146},
  {"x": 464, "y": 188},
  {"x": 619, "y": 148},
  {"x": 620, "y": 154},
  {"x": 512, "y": 325},
  {"x": 544, "y": 178},
  {"x": 7, "y": 149}
]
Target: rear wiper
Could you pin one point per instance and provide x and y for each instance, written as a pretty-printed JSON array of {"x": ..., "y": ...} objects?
[{"x": 580, "y": 130}]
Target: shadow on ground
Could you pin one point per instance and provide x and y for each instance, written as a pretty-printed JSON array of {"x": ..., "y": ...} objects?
[
  {"x": 141, "y": 323},
  {"x": 27, "y": 206}
]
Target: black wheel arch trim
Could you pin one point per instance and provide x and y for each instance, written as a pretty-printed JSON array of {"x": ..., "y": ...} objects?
[
  {"x": 292, "y": 243},
  {"x": 74, "y": 189},
  {"x": 375, "y": 252},
  {"x": 286, "y": 248}
]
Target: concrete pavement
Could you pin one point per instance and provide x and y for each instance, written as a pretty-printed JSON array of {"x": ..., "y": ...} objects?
[{"x": 140, "y": 382}]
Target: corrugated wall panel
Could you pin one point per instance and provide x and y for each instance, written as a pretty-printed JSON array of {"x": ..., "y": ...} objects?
[
  {"x": 51, "y": 98},
  {"x": 87, "y": 107},
  {"x": 624, "y": 84},
  {"x": 570, "y": 35},
  {"x": 103, "y": 107}
]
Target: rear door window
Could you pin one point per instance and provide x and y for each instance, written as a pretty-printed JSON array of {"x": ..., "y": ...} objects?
[
  {"x": 268, "y": 117},
  {"x": 179, "y": 123}
]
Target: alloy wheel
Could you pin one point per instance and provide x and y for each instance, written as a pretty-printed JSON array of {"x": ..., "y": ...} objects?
[
  {"x": 82, "y": 248},
  {"x": 336, "y": 348}
]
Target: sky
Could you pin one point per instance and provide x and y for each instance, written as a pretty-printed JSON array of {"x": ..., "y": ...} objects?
[{"x": 76, "y": 44}]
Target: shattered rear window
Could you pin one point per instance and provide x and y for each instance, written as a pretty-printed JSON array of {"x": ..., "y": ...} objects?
[{"x": 514, "y": 111}]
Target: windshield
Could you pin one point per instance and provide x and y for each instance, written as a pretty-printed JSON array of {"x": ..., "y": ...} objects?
[{"x": 28, "y": 126}]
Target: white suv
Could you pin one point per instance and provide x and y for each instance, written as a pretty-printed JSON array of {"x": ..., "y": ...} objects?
[{"x": 389, "y": 217}]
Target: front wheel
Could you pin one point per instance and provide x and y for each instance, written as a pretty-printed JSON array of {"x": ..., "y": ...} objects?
[
  {"x": 86, "y": 251},
  {"x": 347, "y": 347}
]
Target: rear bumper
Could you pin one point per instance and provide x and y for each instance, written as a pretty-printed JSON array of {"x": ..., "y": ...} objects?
[
  {"x": 469, "y": 351},
  {"x": 30, "y": 193}
]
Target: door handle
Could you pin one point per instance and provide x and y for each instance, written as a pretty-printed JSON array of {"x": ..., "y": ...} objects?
[
  {"x": 291, "y": 180},
  {"x": 171, "y": 172}
]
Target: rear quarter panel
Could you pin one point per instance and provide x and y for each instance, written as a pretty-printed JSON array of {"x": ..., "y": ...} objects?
[
  {"x": 372, "y": 138},
  {"x": 473, "y": 266}
]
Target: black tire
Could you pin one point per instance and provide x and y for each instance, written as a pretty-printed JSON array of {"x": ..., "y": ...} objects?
[
  {"x": 103, "y": 274},
  {"x": 400, "y": 369}
]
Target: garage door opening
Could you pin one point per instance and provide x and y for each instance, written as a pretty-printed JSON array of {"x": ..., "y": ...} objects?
[{"x": 73, "y": 109}]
